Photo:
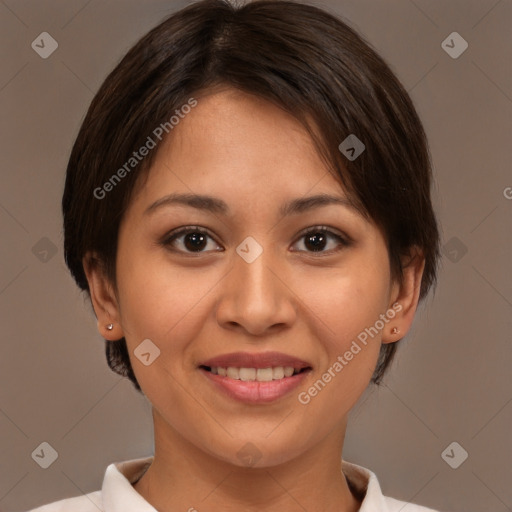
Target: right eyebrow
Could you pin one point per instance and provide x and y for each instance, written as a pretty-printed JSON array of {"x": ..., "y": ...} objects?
[{"x": 200, "y": 202}]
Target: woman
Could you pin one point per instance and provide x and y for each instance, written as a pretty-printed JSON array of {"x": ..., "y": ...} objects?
[{"x": 247, "y": 205}]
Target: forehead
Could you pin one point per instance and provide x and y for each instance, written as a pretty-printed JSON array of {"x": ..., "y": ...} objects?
[
  {"x": 234, "y": 142},
  {"x": 247, "y": 130}
]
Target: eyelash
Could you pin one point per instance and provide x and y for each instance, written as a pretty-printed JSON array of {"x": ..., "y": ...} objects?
[{"x": 344, "y": 241}]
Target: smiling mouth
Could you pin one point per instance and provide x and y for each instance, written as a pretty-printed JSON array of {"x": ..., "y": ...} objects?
[{"x": 255, "y": 374}]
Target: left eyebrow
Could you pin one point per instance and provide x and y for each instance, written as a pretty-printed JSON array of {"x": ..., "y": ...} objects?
[
  {"x": 216, "y": 205},
  {"x": 297, "y": 206}
]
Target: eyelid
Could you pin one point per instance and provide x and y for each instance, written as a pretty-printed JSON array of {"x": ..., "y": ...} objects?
[{"x": 327, "y": 229}]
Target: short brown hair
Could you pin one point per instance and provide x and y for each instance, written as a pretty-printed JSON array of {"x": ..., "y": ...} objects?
[{"x": 295, "y": 55}]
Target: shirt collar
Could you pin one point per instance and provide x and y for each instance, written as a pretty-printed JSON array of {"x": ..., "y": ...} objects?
[
  {"x": 365, "y": 483},
  {"x": 119, "y": 495}
]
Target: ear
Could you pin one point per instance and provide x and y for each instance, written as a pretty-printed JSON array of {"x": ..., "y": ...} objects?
[
  {"x": 103, "y": 297},
  {"x": 404, "y": 297}
]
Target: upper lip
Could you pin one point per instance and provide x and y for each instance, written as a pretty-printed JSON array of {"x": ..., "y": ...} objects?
[{"x": 255, "y": 360}]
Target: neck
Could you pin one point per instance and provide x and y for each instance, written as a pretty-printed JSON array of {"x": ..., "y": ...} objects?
[{"x": 183, "y": 477}]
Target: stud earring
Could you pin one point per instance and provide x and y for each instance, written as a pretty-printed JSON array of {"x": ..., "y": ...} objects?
[
  {"x": 110, "y": 327},
  {"x": 395, "y": 330}
]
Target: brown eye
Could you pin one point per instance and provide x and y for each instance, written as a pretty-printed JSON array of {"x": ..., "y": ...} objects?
[
  {"x": 317, "y": 239},
  {"x": 316, "y": 242},
  {"x": 194, "y": 240}
]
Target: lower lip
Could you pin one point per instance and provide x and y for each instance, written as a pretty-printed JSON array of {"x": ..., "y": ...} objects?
[{"x": 255, "y": 392}]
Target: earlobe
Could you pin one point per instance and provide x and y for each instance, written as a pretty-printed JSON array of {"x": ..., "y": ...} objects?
[
  {"x": 405, "y": 297},
  {"x": 103, "y": 298}
]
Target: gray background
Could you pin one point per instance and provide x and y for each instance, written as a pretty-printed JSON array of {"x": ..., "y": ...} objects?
[{"x": 451, "y": 380}]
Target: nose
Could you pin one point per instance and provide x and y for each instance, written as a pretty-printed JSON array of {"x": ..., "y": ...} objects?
[{"x": 256, "y": 297}]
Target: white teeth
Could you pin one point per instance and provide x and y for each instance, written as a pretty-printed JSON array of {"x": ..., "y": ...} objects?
[
  {"x": 247, "y": 373},
  {"x": 251, "y": 374},
  {"x": 278, "y": 372},
  {"x": 264, "y": 374},
  {"x": 233, "y": 373},
  {"x": 288, "y": 371}
]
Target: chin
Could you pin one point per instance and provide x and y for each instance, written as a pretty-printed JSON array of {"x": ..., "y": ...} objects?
[{"x": 257, "y": 452}]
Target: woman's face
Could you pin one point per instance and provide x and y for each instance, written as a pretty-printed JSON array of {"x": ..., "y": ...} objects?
[{"x": 252, "y": 284}]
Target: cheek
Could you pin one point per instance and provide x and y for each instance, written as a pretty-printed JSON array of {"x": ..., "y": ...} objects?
[
  {"x": 348, "y": 354},
  {"x": 168, "y": 306},
  {"x": 347, "y": 306},
  {"x": 155, "y": 295},
  {"x": 346, "y": 300}
]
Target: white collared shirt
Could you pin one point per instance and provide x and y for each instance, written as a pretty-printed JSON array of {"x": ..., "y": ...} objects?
[{"x": 118, "y": 495}]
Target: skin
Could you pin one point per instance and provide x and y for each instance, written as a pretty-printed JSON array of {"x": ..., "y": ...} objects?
[{"x": 255, "y": 157}]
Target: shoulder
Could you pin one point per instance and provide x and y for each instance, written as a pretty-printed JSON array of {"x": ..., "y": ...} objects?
[
  {"x": 116, "y": 490},
  {"x": 91, "y": 502},
  {"x": 365, "y": 485},
  {"x": 403, "y": 506}
]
